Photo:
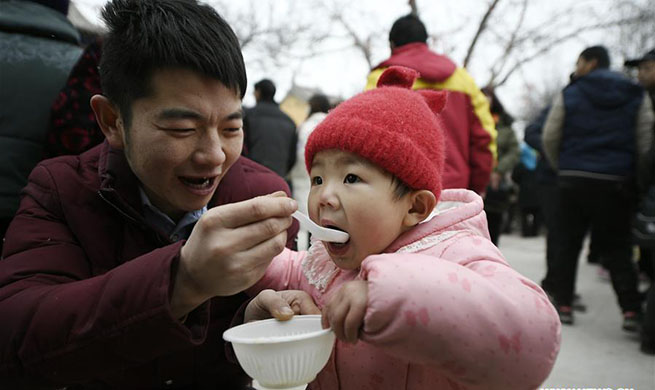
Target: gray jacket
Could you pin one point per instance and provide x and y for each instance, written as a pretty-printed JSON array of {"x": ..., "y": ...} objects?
[{"x": 38, "y": 47}]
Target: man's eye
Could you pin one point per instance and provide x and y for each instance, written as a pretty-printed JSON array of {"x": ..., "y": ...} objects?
[
  {"x": 176, "y": 130},
  {"x": 317, "y": 180},
  {"x": 350, "y": 178}
]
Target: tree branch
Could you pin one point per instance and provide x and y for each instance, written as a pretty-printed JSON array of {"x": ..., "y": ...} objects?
[{"x": 481, "y": 27}]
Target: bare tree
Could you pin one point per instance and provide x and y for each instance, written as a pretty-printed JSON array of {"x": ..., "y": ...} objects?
[
  {"x": 481, "y": 27},
  {"x": 526, "y": 43},
  {"x": 271, "y": 34},
  {"x": 633, "y": 39}
]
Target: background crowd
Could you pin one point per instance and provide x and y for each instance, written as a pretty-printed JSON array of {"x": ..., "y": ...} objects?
[{"x": 583, "y": 167}]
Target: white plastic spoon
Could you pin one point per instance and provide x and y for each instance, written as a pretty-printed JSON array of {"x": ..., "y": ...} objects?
[{"x": 321, "y": 233}]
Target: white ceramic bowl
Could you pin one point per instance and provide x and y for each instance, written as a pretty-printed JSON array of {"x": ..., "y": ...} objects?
[{"x": 282, "y": 354}]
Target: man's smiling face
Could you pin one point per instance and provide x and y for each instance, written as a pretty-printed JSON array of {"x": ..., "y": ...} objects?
[{"x": 183, "y": 138}]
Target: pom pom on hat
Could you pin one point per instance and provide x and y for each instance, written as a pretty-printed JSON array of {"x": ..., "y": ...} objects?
[{"x": 394, "y": 127}]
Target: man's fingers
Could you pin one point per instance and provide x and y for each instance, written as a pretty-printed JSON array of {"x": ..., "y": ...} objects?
[
  {"x": 273, "y": 303},
  {"x": 251, "y": 236},
  {"x": 301, "y": 302},
  {"x": 278, "y": 194},
  {"x": 254, "y": 210},
  {"x": 263, "y": 252}
]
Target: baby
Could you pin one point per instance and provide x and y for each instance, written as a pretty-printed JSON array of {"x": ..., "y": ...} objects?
[{"x": 419, "y": 283}]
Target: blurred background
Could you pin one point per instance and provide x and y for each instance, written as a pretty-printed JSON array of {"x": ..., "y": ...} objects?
[{"x": 525, "y": 48}]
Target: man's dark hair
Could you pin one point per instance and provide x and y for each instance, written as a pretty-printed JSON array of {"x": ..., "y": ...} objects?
[
  {"x": 408, "y": 29},
  {"x": 598, "y": 53},
  {"x": 497, "y": 106},
  {"x": 266, "y": 90},
  {"x": 148, "y": 35},
  {"x": 318, "y": 103}
]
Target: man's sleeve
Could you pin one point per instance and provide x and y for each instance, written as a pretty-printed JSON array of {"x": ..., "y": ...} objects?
[
  {"x": 511, "y": 152},
  {"x": 552, "y": 134},
  {"x": 644, "y": 138},
  {"x": 483, "y": 134},
  {"x": 61, "y": 324},
  {"x": 533, "y": 131}
]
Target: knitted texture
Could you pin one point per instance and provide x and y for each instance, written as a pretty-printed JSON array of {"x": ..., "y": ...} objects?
[{"x": 392, "y": 126}]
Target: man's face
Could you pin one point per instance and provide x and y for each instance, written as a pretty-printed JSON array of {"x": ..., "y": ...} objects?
[
  {"x": 646, "y": 74},
  {"x": 183, "y": 139},
  {"x": 582, "y": 67}
]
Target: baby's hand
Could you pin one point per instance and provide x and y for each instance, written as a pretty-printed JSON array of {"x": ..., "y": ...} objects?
[{"x": 345, "y": 311}]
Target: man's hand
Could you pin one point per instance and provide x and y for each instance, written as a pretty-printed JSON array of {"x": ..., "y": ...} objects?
[
  {"x": 229, "y": 249},
  {"x": 346, "y": 309},
  {"x": 280, "y": 304}
]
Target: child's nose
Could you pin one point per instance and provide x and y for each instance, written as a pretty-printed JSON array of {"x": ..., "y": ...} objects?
[{"x": 328, "y": 196}]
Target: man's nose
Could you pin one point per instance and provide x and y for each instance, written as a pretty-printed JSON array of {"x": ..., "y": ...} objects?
[{"x": 209, "y": 151}]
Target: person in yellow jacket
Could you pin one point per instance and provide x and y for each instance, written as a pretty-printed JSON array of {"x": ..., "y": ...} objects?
[{"x": 470, "y": 130}]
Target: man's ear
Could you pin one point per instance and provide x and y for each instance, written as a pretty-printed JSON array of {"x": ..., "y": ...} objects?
[
  {"x": 593, "y": 64},
  {"x": 109, "y": 120},
  {"x": 422, "y": 202}
]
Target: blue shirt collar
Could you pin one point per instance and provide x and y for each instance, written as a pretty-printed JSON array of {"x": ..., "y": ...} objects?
[{"x": 157, "y": 219}]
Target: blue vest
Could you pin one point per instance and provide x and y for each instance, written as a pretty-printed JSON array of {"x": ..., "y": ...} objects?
[{"x": 598, "y": 134}]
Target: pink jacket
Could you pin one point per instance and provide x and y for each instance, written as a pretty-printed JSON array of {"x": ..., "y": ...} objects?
[{"x": 445, "y": 310}]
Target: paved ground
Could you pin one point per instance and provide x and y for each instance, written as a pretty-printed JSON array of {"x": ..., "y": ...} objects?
[{"x": 595, "y": 352}]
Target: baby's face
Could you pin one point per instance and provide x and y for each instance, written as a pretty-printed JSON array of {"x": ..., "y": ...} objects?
[{"x": 351, "y": 194}]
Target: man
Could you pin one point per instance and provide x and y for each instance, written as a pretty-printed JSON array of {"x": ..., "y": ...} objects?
[
  {"x": 596, "y": 136},
  {"x": 646, "y": 76},
  {"x": 646, "y": 71},
  {"x": 470, "y": 131},
  {"x": 38, "y": 47},
  {"x": 99, "y": 287},
  {"x": 270, "y": 133}
]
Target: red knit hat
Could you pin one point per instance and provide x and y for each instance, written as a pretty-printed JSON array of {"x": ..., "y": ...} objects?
[{"x": 392, "y": 126}]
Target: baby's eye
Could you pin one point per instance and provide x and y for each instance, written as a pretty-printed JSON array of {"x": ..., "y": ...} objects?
[
  {"x": 350, "y": 178},
  {"x": 317, "y": 181}
]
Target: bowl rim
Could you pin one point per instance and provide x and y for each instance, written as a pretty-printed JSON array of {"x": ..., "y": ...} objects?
[{"x": 227, "y": 336}]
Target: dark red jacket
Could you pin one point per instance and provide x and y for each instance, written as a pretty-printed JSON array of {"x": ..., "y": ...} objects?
[{"x": 85, "y": 283}]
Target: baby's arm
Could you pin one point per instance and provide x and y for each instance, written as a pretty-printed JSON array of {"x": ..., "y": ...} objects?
[
  {"x": 282, "y": 274},
  {"x": 465, "y": 312}
]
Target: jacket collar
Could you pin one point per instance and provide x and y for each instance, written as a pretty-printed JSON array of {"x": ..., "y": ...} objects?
[
  {"x": 458, "y": 209},
  {"x": 433, "y": 67},
  {"x": 119, "y": 186}
]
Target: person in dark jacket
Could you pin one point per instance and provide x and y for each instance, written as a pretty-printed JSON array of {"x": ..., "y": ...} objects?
[
  {"x": 646, "y": 75},
  {"x": 73, "y": 128},
  {"x": 270, "y": 134},
  {"x": 124, "y": 265},
  {"x": 524, "y": 174},
  {"x": 38, "y": 47},
  {"x": 596, "y": 137}
]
